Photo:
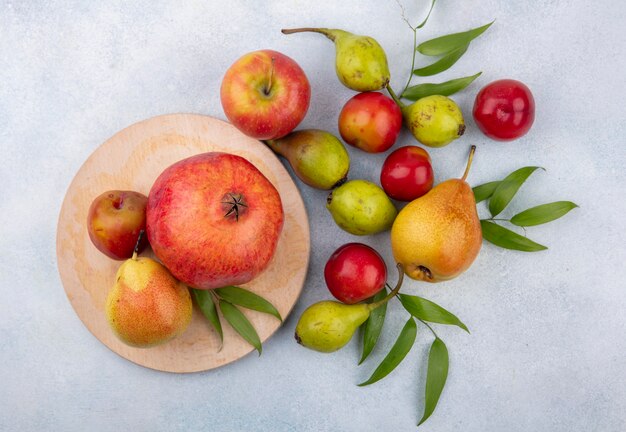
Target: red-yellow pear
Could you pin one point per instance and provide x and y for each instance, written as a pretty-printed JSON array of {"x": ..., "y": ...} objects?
[
  {"x": 437, "y": 236},
  {"x": 147, "y": 306}
]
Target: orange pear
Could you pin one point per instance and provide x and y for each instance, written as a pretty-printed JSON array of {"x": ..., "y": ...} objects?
[
  {"x": 147, "y": 306},
  {"x": 437, "y": 236}
]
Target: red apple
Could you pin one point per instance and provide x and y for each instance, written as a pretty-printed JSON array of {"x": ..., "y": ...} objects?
[
  {"x": 114, "y": 221},
  {"x": 407, "y": 173},
  {"x": 355, "y": 272},
  {"x": 370, "y": 121},
  {"x": 214, "y": 220},
  {"x": 265, "y": 94}
]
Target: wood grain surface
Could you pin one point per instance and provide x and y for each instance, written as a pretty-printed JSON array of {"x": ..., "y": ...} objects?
[{"x": 131, "y": 160}]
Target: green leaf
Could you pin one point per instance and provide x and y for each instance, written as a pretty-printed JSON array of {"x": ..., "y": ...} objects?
[
  {"x": 432, "y": 5},
  {"x": 397, "y": 353},
  {"x": 374, "y": 325},
  {"x": 444, "y": 63},
  {"x": 436, "y": 377},
  {"x": 543, "y": 213},
  {"x": 240, "y": 323},
  {"x": 448, "y": 43},
  {"x": 247, "y": 299},
  {"x": 507, "y": 189},
  {"x": 445, "y": 88},
  {"x": 205, "y": 302},
  {"x": 426, "y": 310},
  {"x": 508, "y": 239},
  {"x": 484, "y": 191}
]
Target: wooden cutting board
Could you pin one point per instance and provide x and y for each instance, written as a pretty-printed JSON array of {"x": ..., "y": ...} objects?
[{"x": 131, "y": 160}]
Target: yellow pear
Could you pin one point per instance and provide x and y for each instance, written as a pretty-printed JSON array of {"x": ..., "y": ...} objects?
[
  {"x": 147, "y": 306},
  {"x": 437, "y": 236}
]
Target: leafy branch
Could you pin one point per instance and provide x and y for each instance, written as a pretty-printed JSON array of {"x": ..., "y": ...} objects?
[
  {"x": 414, "y": 30},
  {"x": 227, "y": 299},
  {"x": 499, "y": 194},
  {"x": 426, "y": 312},
  {"x": 449, "y": 48}
]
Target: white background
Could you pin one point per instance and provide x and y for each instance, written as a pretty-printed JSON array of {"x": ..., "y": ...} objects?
[{"x": 548, "y": 342}]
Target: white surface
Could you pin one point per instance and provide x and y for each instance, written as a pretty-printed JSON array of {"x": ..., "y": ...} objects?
[{"x": 547, "y": 349}]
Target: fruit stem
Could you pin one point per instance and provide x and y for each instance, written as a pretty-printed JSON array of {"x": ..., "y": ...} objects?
[
  {"x": 393, "y": 293},
  {"x": 268, "y": 87},
  {"x": 469, "y": 162},
  {"x": 136, "y": 250},
  {"x": 395, "y": 98},
  {"x": 323, "y": 31},
  {"x": 274, "y": 145}
]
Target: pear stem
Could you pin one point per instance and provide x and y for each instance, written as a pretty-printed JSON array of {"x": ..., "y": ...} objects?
[
  {"x": 272, "y": 144},
  {"x": 136, "y": 250},
  {"x": 393, "y": 293},
  {"x": 469, "y": 162},
  {"x": 309, "y": 29},
  {"x": 395, "y": 98}
]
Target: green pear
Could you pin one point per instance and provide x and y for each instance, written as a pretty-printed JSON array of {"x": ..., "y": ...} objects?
[
  {"x": 327, "y": 326},
  {"x": 360, "y": 61},
  {"x": 361, "y": 207},
  {"x": 435, "y": 121},
  {"x": 317, "y": 157}
]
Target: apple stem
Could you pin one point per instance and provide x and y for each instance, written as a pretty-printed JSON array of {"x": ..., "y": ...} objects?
[
  {"x": 136, "y": 250},
  {"x": 393, "y": 292},
  {"x": 325, "y": 32},
  {"x": 268, "y": 87},
  {"x": 469, "y": 162}
]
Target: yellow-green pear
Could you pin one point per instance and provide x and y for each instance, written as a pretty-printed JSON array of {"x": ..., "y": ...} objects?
[
  {"x": 361, "y": 207},
  {"x": 327, "y": 326},
  {"x": 435, "y": 121},
  {"x": 147, "y": 306},
  {"x": 437, "y": 236},
  {"x": 360, "y": 61}
]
